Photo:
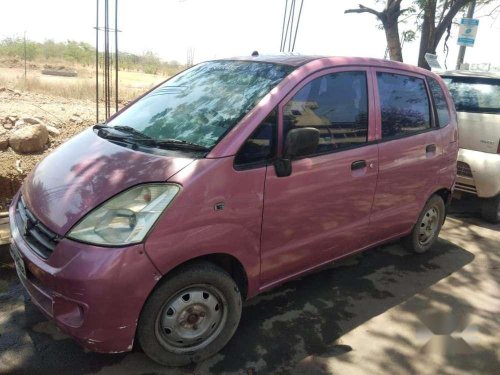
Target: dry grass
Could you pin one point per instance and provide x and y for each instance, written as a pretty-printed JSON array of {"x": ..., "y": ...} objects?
[
  {"x": 77, "y": 89},
  {"x": 132, "y": 84}
]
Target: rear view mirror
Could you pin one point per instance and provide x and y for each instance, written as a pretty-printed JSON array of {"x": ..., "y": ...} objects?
[{"x": 301, "y": 142}]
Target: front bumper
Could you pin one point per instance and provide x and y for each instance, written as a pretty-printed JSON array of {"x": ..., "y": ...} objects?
[
  {"x": 94, "y": 294},
  {"x": 482, "y": 176}
]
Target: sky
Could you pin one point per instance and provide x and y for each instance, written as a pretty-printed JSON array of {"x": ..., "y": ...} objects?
[{"x": 224, "y": 28}]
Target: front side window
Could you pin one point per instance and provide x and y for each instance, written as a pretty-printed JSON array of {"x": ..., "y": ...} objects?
[
  {"x": 337, "y": 105},
  {"x": 471, "y": 94},
  {"x": 440, "y": 102},
  {"x": 201, "y": 104},
  {"x": 404, "y": 105}
]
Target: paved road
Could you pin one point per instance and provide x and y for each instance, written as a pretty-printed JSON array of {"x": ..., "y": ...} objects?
[{"x": 384, "y": 311}]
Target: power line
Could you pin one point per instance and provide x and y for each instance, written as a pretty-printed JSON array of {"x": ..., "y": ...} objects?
[
  {"x": 289, "y": 33},
  {"x": 283, "y": 27},
  {"x": 297, "y": 28}
]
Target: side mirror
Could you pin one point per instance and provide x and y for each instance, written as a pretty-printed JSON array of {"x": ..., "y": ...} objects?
[{"x": 299, "y": 142}]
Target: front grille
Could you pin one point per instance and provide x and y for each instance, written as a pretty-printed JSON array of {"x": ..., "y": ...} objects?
[
  {"x": 466, "y": 188},
  {"x": 40, "y": 238},
  {"x": 463, "y": 169}
]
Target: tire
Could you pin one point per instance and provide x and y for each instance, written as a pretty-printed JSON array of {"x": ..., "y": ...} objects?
[
  {"x": 426, "y": 230},
  {"x": 490, "y": 209},
  {"x": 190, "y": 316}
]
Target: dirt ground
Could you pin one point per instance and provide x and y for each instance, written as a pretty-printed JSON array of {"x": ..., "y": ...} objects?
[
  {"x": 385, "y": 311},
  {"x": 55, "y": 111}
]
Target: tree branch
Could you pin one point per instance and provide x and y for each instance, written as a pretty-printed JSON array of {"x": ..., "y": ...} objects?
[
  {"x": 363, "y": 9},
  {"x": 448, "y": 18}
]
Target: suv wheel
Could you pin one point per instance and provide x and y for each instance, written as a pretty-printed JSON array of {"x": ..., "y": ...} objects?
[
  {"x": 490, "y": 209},
  {"x": 426, "y": 230},
  {"x": 190, "y": 316}
]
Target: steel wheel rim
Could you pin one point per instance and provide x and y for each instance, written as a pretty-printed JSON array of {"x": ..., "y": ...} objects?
[
  {"x": 428, "y": 226},
  {"x": 191, "y": 319}
]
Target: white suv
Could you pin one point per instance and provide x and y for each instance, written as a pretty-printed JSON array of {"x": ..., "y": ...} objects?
[{"x": 477, "y": 101}]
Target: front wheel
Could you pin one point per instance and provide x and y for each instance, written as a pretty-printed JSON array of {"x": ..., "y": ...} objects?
[
  {"x": 426, "y": 230},
  {"x": 190, "y": 316},
  {"x": 490, "y": 209}
]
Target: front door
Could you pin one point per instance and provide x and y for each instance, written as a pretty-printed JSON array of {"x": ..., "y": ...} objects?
[{"x": 321, "y": 210}]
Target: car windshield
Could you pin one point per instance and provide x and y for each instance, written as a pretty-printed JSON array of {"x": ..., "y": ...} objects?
[
  {"x": 200, "y": 105},
  {"x": 472, "y": 94}
]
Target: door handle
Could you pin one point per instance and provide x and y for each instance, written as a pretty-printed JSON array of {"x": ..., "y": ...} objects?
[
  {"x": 358, "y": 164},
  {"x": 430, "y": 148}
]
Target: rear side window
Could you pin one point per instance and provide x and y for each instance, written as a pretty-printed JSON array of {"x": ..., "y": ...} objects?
[
  {"x": 440, "y": 102},
  {"x": 404, "y": 105},
  {"x": 337, "y": 105},
  {"x": 471, "y": 94}
]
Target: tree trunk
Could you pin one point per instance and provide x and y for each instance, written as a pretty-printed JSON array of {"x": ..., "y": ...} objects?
[
  {"x": 389, "y": 18},
  {"x": 392, "y": 37},
  {"x": 428, "y": 34}
]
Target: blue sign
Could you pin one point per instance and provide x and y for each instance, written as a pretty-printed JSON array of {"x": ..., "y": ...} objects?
[{"x": 467, "y": 32}]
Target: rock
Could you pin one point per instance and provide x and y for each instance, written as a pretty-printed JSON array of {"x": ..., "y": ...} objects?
[
  {"x": 76, "y": 119},
  {"x": 29, "y": 138},
  {"x": 4, "y": 141},
  {"x": 19, "y": 124},
  {"x": 7, "y": 125},
  {"x": 52, "y": 130},
  {"x": 11, "y": 119},
  {"x": 31, "y": 120},
  {"x": 18, "y": 166}
]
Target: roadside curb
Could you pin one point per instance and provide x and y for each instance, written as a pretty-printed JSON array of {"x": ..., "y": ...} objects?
[
  {"x": 5, "y": 254},
  {"x": 4, "y": 238}
]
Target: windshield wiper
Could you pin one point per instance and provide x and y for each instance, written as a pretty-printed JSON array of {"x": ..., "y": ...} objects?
[
  {"x": 141, "y": 138},
  {"x": 172, "y": 143},
  {"x": 124, "y": 129}
]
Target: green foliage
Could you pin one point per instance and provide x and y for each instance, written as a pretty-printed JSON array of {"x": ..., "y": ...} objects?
[{"x": 84, "y": 54}]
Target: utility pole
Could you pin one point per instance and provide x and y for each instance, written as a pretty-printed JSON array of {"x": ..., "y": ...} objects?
[
  {"x": 461, "y": 52},
  {"x": 25, "y": 58}
]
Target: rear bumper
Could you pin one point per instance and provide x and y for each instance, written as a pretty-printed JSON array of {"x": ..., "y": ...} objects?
[
  {"x": 484, "y": 177},
  {"x": 93, "y": 294}
]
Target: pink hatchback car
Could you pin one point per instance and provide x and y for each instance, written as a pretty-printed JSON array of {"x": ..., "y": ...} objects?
[{"x": 226, "y": 180}]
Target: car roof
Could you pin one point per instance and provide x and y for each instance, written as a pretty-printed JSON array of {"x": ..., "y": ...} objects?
[
  {"x": 282, "y": 58},
  {"x": 468, "y": 73},
  {"x": 296, "y": 60}
]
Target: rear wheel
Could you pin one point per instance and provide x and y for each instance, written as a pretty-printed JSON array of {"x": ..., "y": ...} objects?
[
  {"x": 190, "y": 316},
  {"x": 490, "y": 209},
  {"x": 426, "y": 230}
]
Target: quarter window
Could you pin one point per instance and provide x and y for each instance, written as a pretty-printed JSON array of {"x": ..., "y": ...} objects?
[
  {"x": 404, "y": 105},
  {"x": 335, "y": 104},
  {"x": 261, "y": 145},
  {"x": 440, "y": 102}
]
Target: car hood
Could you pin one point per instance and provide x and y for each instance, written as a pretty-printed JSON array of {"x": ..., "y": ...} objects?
[{"x": 86, "y": 171}]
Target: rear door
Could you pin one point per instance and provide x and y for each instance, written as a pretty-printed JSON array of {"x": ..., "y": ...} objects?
[
  {"x": 322, "y": 209},
  {"x": 410, "y": 151}
]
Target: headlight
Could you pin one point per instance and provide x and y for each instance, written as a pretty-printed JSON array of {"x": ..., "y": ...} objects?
[{"x": 127, "y": 217}]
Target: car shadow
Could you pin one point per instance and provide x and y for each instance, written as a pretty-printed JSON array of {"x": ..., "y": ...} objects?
[{"x": 278, "y": 329}]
